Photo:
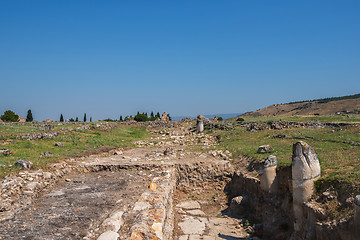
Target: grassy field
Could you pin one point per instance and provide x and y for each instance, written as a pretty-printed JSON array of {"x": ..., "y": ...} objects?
[
  {"x": 13, "y": 129},
  {"x": 77, "y": 143},
  {"x": 338, "y": 160}
]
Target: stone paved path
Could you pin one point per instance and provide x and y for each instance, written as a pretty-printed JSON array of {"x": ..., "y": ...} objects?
[
  {"x": 75, "y": 208},
  {"x": 195, "y": 224}
]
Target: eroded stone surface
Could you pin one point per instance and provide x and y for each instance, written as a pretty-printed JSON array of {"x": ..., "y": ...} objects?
[
  {"x": 305, "y": 163},
  {"x": 192, "y": 226},
  {"x": 196, "y": 212},
  {"x": 109, "y": 235},
  {"x": 189, "y": 205}
]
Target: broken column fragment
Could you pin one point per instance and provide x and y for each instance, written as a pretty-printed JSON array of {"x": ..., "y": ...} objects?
[
  {"x": 200, "y": 124},
  {"x": 305, "y": 170},
  {"x": 268, "y": 180},
  {"x": 357, "y": 215}
]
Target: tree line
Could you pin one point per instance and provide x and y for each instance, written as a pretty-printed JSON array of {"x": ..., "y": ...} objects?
[
  {"x": 139, "y": 117},
  {"x": 74, "y": 120},
  {"x": 10, "y": 116}
]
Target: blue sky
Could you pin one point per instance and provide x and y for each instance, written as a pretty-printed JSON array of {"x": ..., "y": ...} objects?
[{"x": 112, "y": 58}]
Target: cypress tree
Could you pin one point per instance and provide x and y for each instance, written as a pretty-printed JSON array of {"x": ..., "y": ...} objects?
[
  {"x": 84, "y": 117},
  {"x": 29, "y": 117},
  {"x": 61, "y": 118},
  {"x": 90, "y": 119},
  {"x": 121, "y": 119},
  {"x": 77, "y": 119}
]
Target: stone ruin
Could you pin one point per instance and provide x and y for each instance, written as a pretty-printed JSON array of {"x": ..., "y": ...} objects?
[
  {"x": 268, "y": 179},
  {"x": 164, "y": 117},
  {"x": 199, "y": 124},
  {"x": 305, "y": 170},
  {"x": 281, "y": 197}
]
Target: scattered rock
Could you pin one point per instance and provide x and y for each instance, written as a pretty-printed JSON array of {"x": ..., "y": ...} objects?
[
  {"x": 265, "y": 149},
  {"x": 327, "y": 195},
  {"x": 169, "y": 151},
  {"x": 152, "y": 187},
  {"x": 46, "y": 127},
  {"x": 59, "y": 144},
  {"x": 238, "y": 204},
  {"x": 24, "y": 164},
  {"x": 5, "y": 151},
  {"x": 46, "y": 154},
  {"x": 117, "y": 152}
]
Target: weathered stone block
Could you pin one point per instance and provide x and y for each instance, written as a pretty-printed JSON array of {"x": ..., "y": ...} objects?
[{"x": 200, "y": 125}]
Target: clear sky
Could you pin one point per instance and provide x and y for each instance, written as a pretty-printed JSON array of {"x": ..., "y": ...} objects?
[{"x": 112, "y": 58}]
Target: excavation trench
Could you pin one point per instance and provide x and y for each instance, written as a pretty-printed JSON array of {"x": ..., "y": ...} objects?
[{"x": 156, "y": 201}]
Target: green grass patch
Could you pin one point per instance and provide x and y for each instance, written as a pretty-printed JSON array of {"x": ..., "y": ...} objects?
[
  {"x": 337, "y": 159},
  {"x": 77, "y": 143}
]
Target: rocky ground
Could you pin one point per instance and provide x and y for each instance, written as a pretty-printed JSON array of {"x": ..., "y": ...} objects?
[{"x": 126, "y": 194}]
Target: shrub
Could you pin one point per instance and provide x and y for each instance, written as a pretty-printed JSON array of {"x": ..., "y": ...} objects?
[
  {"x": 240, "y": 120},
  {"x": 141, "y": 117},
  {"x": 220, "y": 119},
  {"x": 9, "y": 116}
]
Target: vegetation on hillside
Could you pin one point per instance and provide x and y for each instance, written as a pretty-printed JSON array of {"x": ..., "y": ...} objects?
[{"x": 326, "y": 100}]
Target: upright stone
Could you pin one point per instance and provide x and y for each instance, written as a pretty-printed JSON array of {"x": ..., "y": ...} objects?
[
  {"x": 357, "y": 216},
  {"x": 268, "y": 180},
  {"x": 200, "y": 124},
  {"x": 305, "y": 170},
  {"x": 164, "y": 117}
]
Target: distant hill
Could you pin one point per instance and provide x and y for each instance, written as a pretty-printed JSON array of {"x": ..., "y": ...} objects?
[{"x": 324, "y": 106}]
